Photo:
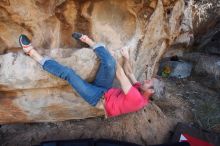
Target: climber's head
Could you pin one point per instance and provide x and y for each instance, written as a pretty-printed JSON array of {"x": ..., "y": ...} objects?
[{"x": 147, "y": 88}]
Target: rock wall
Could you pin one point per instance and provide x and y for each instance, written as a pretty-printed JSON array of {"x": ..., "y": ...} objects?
[{"x": 148, "y": 27}]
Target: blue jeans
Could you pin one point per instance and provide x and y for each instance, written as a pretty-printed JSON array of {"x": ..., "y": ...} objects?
[{"x": 90, "y": 92}]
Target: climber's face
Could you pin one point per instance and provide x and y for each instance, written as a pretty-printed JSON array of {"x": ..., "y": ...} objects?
[
  {"x": 147, "y": 88},
  {"x": 146, "y": 84}
]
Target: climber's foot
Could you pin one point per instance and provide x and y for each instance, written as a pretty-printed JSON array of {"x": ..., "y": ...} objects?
[
  {"x": 28, "y": 48},
  {"x": 77, "y": 35},
  {"x": 83, "y": 38},
  {"x": 26, "y": 44}
]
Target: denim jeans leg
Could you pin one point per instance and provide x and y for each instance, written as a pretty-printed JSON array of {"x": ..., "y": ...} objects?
[
  {"x": 87, "y": 91},
  {"x": 106, "y": 72}
]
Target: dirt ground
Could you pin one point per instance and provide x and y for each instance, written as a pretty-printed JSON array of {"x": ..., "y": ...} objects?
[
  {"x": 185, "y": 101},
  {"x": 192, "y": 100}
]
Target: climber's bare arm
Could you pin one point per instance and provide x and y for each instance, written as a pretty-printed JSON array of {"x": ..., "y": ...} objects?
[
  {"x": 127, "y": 65},
  {"x": 123, "y": 79},
  {"x": 129, "y": 71}
]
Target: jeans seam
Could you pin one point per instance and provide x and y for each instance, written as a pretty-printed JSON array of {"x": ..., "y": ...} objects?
[{"x": 101, "y": 93}]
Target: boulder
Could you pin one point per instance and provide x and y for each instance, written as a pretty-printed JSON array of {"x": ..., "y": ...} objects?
[
  {"x": 149, "y": 29},
  {"x": 19, "y": 71},
  {"x": 178, "y": 69}
]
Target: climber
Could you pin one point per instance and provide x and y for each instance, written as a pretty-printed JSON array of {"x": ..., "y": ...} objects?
[{"x": 115, "y": 101}]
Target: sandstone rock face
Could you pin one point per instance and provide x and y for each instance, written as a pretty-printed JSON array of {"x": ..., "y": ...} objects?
[
  {"x": 19, "y": 71},
  {"x": 149, "y": 28}
]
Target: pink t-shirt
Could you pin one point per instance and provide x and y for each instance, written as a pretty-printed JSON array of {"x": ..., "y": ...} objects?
[{"x": 117, "y": 103}]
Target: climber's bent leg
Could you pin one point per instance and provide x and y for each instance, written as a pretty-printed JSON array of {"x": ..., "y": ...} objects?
[
  {"x": 89, "y": 92},
  {"x": 106, "y": 72}
]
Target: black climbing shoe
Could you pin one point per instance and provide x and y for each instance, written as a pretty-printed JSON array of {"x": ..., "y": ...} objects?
[
  {"x": 24, "y": 41},
  {"x": 25, "y": 44},
  {"x": 77, "y": 35}
]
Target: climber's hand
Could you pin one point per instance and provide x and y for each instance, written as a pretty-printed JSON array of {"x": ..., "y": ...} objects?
[{"x": 124, "y": 52}]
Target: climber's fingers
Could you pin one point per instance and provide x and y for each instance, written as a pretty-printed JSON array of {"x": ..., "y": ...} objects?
[{"x": 124, "y": 52}]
